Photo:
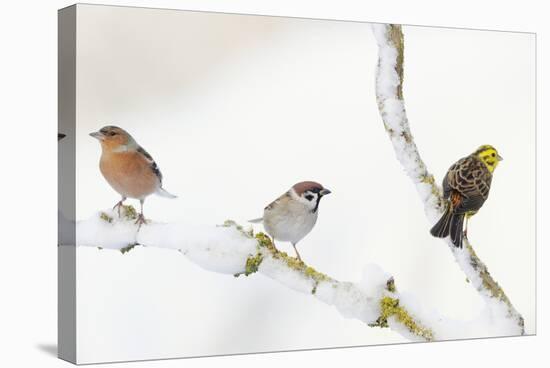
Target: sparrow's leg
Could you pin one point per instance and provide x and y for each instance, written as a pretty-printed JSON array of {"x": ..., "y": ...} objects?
[
  {"x": 119, "y": 204},
  {"x": 297, "y": 254},
  {"x": 141, "y": 218},
  {"x": 466, "y": 227}
]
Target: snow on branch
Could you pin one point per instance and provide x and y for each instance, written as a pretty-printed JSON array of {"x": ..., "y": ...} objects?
[
  {"x": 374, "y": 300},
  {"x": 389, "y": 94},
  {"x": 230, "y": 249}
]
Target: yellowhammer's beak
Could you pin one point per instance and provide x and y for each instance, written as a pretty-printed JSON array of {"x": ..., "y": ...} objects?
[{"x": 499, "y": 157}]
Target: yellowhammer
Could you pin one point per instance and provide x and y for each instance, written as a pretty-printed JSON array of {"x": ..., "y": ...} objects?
[{"x": 466, "y": 187}]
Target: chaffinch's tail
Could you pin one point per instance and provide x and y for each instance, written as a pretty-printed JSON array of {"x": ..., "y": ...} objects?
[{"x": 163, "y": 193}]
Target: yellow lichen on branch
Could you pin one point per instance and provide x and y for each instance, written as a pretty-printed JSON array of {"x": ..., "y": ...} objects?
[
  {"x": 391, "y": 36},
  {"x": 389, "y": 307},
  {"x": 265, "y": 244}
]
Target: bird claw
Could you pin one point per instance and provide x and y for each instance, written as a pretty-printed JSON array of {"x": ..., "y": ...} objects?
[
  {"x": 297, "y": 254},
  {"x": 141, "y": 220},
  {"x": 117, "y": 207}
]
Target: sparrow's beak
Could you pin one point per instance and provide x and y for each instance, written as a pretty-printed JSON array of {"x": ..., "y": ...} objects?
[
  {"x": 60, "y": 136},
  {"x": 324, "y": 192},
  {"x": 499, "y": 157},
  {"x": 98, "y": 135}
]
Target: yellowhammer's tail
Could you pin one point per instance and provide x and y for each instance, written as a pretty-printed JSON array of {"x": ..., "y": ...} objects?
[
  {"x": 449, "y": 224},
  {"x": 456, "y": 232},
  {"x": 441, "y": 229}
]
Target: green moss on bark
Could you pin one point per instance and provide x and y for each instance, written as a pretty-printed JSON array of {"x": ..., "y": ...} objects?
[{"x": 389, "y": 307}]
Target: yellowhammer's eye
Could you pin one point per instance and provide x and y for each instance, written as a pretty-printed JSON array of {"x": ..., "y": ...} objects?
[{"x": 493, "y": 154}]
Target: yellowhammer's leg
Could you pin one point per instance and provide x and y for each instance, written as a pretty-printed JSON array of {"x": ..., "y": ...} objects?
[{"x": 466, "y": 226}]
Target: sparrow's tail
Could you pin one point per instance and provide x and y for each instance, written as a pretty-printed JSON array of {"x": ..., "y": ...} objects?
[
  {"x": 257, "y": 221},
  {"x": 450, "y": 224},
  {"x": 163, "y": 193}
]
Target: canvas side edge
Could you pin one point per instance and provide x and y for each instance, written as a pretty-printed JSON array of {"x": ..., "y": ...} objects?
[{"x": 66, "y": 250}]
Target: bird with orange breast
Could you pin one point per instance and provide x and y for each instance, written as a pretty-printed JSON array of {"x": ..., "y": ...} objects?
[{"x": 128, "y": 168}]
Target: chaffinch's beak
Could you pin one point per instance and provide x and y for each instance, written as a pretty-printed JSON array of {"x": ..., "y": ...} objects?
[
  {"x": 499, "y": 157},
  {"x": 98, "y": 135},
  {"x": 324, "y": 192}
]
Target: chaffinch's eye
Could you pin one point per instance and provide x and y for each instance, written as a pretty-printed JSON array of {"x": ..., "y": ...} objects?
[
  {"x": 309, "y": 197},
  {"x": 112, "y": 133}
]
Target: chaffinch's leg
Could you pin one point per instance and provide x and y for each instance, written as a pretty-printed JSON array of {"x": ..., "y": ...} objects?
[
  {"x": 141, "y": 218},
  {"x": 119, "y": 204}
]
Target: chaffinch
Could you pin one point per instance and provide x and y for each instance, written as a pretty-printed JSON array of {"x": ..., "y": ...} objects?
[{"x": 128, "y": 168}]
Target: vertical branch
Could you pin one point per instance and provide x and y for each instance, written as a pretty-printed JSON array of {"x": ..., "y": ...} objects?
[{"x": 389, "y": 95}]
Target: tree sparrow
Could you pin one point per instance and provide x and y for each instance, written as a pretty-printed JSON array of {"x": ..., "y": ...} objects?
[
  {"x": 128, "y": 168},
  {"x": 293, "y": 215}
]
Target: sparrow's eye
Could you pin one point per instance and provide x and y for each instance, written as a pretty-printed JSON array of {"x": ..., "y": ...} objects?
[{"x": 309, "y": 197}]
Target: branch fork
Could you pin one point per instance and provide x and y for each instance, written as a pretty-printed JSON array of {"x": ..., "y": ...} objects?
[{"x": 374, "y": 300}]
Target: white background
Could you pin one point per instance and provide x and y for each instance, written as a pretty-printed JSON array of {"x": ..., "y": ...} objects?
[
  {"x": 28, "y": 266},
  {"x": 235, "y": 109}
]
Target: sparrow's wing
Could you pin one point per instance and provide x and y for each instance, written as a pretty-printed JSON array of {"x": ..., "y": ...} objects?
[
  {"x": 271, "y": 206},
  {"x": 152, "y": 162},
  {"x": 282, "y": 199}
]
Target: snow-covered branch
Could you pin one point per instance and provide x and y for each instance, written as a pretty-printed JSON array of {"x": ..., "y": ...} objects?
[
  {"x": 374, "y": 300},
  {"x": 230, "y": 249},
  {"x": 389, "y": 94}
]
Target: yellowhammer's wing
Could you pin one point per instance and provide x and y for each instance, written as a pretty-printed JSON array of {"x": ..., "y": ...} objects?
[{"x": 471, "y": 179}]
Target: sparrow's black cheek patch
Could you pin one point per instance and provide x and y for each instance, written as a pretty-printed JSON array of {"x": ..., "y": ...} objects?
[
  {"x": 317, "y": 205},
  {"x": 309, "y": 197}
]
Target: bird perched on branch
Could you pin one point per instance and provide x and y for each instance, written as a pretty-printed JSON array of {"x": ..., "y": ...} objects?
[
  {"x": 128, "y": 168},
  {"x": 466, "y": 187},
  {"x": 293, "y": 215}
]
